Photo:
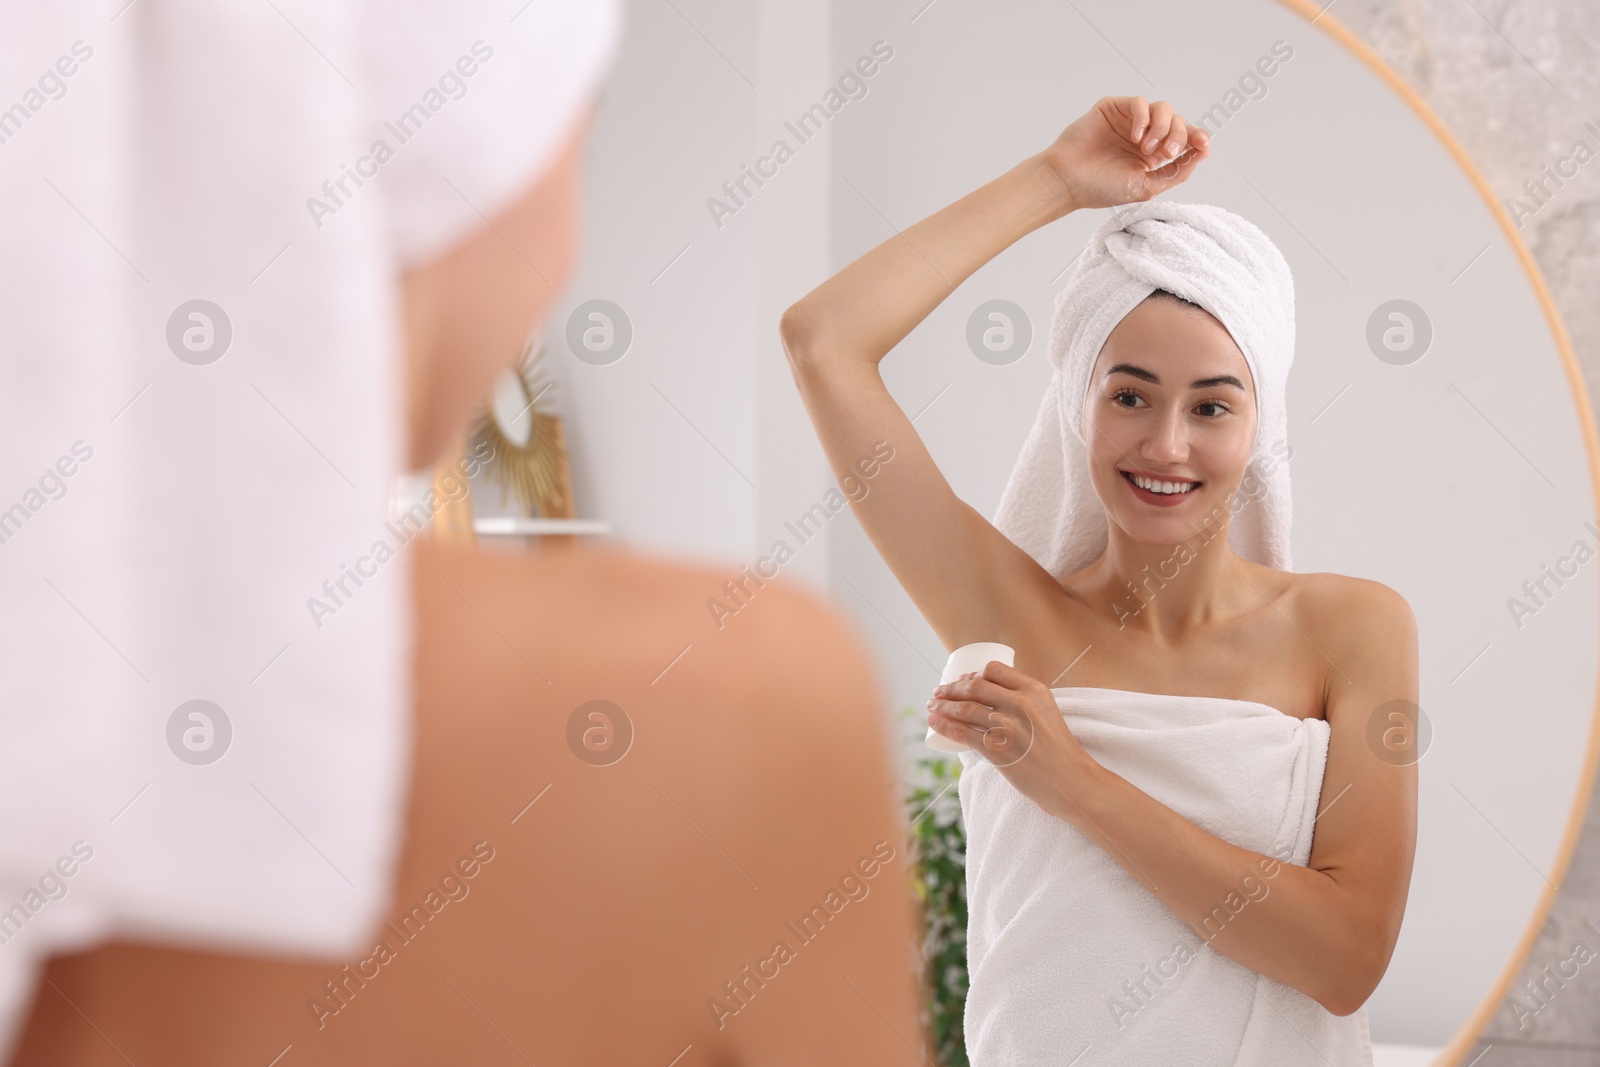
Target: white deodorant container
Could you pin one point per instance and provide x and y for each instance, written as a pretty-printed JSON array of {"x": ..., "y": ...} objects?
[{"x": 965, "y": 660}]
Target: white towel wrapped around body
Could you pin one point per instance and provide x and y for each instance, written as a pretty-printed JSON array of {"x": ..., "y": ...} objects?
[{"x": 1066, "y": 951}]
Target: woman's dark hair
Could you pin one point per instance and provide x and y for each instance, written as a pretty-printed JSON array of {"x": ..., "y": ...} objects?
[{"x": 1173, "y": 296}]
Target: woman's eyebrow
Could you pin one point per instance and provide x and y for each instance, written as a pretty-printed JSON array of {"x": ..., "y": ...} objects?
[{"x": 1198, "y": 383}]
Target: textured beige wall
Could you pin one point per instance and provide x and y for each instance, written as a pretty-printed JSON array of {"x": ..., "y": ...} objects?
[{"x": 1516, "y": 84}]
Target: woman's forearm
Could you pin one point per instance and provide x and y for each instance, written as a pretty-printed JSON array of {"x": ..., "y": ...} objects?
[
  {"x": 1282, "y": 920},
  {"x": 867, "y": 308}
]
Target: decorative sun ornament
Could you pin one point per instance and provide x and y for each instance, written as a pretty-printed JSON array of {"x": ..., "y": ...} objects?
[{"x": 530, "y": 454}]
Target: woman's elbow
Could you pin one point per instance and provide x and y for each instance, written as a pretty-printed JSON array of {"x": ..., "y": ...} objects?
[
  {"x": 1343, "y": 1006},
  {"x": 1344, "y": 999},
  {"x": 1347, "y": 997},
  {"x": 798, "y": 335}
]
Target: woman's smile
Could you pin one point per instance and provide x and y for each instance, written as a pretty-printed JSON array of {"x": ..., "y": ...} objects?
[{"x": 1163, "y": 492}]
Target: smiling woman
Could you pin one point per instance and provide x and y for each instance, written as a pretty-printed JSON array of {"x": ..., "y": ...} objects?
[{"x": 1206, "y": 727}]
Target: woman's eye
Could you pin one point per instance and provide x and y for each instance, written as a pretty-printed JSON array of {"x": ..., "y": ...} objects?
[{"x": 1210, "y": 409}]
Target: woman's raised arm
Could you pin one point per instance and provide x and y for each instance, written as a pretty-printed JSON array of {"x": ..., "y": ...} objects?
[{"x": 961, "y": 572}]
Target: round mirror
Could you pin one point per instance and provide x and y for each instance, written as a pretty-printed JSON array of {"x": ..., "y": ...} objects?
[
  {"x": 1441, "y": 435},
  {"x": 1441, "y": 443}
]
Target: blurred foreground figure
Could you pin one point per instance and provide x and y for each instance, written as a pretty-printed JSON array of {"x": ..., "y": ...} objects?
[{"x": 285, "y": 782}]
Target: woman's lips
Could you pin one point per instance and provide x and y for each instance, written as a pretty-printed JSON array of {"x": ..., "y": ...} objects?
[{"x": 1160, "y": 500}]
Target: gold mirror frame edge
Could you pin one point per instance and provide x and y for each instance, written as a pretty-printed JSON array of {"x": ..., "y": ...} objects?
[{"x": 1479, "y": 1020}]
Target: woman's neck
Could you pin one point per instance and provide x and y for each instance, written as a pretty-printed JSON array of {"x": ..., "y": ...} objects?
[{"x": 1168, "y": 590}]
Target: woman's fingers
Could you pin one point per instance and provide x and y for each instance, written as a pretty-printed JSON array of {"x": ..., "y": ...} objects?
[
  {"x": 967, "y": 711},
  {"x": 956, "y": 730},
  {"x": 973, "y": 724},
  {"x": 1157, "y": 133},
  {"x": 977, "y": 688},
  {"x": 1160, "y": 122},
  {"x": 976, "y": 701},
  {"x": 1176, "y": 171},
  {"x": 1177, "y": 156},
  {"x": 1001, "y": 739},
  {"x": 1139, "y": 108},
  {"x": 1177, "y": 138}
]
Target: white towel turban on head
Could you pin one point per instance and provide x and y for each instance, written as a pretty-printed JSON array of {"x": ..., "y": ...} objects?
[{"x": 1206, "y": 255}]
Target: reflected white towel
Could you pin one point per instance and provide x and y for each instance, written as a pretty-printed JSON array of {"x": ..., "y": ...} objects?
[{"x": 1067, "y": 951}]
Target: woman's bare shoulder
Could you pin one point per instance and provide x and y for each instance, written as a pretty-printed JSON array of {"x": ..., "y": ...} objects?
[
  {"x": 615, "y": 609},
  {"x": 1345, "y": 611},
  {"x": 619, "y": 571}
]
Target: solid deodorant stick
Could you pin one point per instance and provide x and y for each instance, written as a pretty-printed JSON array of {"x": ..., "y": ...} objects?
[{"x": 965, "y": 660}]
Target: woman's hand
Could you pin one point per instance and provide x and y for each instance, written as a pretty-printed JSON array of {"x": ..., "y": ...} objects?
[
  {"x": 1102, "y": 159},
  {"x": 1012, "y": 721}
]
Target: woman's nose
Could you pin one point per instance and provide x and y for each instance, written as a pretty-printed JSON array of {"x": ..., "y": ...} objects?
[{"x": 1167, "y": 441}]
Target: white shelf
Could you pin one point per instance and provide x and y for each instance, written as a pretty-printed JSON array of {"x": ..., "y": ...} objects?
[{"x": 515, "y": 526}]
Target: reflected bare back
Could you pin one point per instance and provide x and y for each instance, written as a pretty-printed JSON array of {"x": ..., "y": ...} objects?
[{"x": 616, "y": 906}]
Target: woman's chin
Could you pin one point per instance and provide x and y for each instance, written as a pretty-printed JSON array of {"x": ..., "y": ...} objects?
[{"x": 1174, "y": 526}]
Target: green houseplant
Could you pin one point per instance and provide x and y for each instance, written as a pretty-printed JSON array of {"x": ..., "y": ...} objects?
[{"x": 939, "y": 875}]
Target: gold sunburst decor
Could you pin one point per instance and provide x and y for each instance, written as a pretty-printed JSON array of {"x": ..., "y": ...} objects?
[{"x": 530, "y": 453}]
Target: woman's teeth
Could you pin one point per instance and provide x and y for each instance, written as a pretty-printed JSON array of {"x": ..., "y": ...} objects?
[{"x": 1159, "y": 487}]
